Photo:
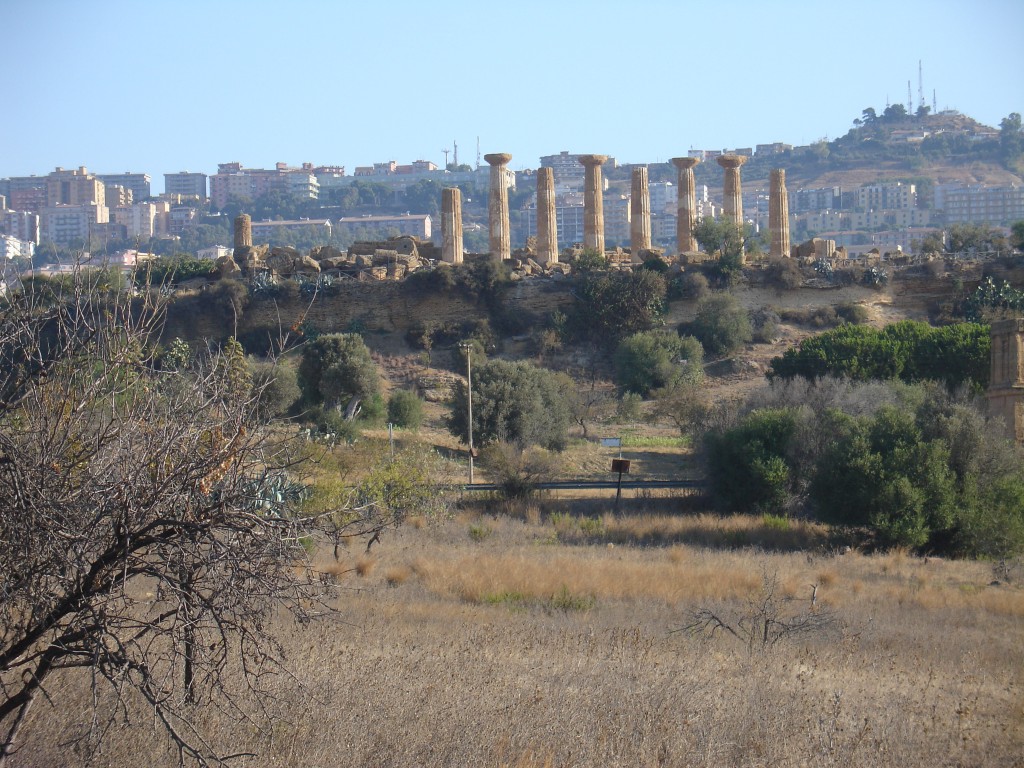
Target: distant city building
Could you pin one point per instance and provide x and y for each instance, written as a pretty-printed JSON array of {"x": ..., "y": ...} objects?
[
  {"x": 664, "y": 197},
  {"x": 181, "y": 218},
  {"x": 821, "y": 199},
  {"x": 616, "y": 220},
  {"x": 14, "y": 248},
  {"x": 28, "y": 199},
  {"x": 214, "y": 252},
  {"x": 186, "y": 184},
  {"x": 117, "y": 196},
  {"x": 894, "y": 196},
  {"x": 415, "y": 225},
  {"x": 64, "y": 224},
  {"x": 234, "y": 181},
  {"x": 568, "y": 218},
  {"x": 775, "y": 148},
  {"x": 977, "y": 204},
  {"x": 567, "y": 170},
  {"x": 23, "y": 225},
  {"x": 144, "y": 220},
  {"x": 273, "y": 232},
  {"x": 74, "y": 188},
  {"x": 138, "y": 183},
  {"x": 25, "y": 193}
]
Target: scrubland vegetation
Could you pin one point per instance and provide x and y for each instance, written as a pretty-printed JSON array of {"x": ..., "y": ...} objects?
[{"x": 845, "y": 589}]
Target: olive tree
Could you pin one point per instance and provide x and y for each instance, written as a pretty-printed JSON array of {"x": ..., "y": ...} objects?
[
  {"x": 515, "y": 403},
  {"x": 149, "y": 523},
  {"x": 337, "y": 368}
]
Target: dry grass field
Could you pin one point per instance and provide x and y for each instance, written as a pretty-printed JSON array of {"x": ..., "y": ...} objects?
[
  {"x": 556, "y": 633},
  {"x": 547, "y": 639}
]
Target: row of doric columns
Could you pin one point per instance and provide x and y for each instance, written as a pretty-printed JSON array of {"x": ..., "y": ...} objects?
[{"x": 593, "y": 209}]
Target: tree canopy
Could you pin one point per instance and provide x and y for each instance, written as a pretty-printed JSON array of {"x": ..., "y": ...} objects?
[
  {"x": 337, "y": 367},
  {"x": 514, "y": 403},
  {"x": 908, "y": 350},
  {"x": 612, "y": 305}
]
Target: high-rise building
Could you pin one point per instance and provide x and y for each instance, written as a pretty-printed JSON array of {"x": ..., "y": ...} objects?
[
  {"x": 138, "y": 183},
  {"x": 63, "y": 224},
  {"x": 232, "y": 180},
  {"x": 78, "y": 187},
  {"x": 186, "y": 184}
]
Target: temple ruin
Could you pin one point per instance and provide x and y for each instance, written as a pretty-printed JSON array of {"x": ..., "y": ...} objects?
[
  {"x": 778, "y": 214},
  {"x": 687, "y": 206},
  {"x": 1006, "y": 383},
  {"x": 732, "y": 191},
  {"x": 640, "y": 215},
  {"x": 243, "y": 231},
  {"x": 451, "y": 225},
  {"x": 547, "y": 225},
  {"x": 497, "y": 207},
  {"x": 593, "y": 202}
]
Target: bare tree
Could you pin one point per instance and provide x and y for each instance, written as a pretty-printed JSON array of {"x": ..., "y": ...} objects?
[
  {"x": 767, "y": 619},
  {"x": 148, "y": 520}
]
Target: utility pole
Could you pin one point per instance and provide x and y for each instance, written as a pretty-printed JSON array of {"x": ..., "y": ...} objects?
[
  {"x": 468, "y": 348},
  {"x": 446, "y": 151}
]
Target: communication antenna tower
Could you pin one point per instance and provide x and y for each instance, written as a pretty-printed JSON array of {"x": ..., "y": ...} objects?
[
  {"x": 456, "y": 145},
  {"x": 478, "y": 153},
  {"x": 445, "y": 151},
  {"x": 935, "y": 103},
  {"x": 920, "y": 85},
  {"x": 910, "y": 100}
]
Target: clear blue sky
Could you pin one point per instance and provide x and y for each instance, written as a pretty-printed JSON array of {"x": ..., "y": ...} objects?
[{"x": 163, "y": 87}]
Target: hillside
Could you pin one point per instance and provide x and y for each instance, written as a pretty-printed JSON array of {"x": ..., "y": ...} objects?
[{"x": 954, "y": 148}]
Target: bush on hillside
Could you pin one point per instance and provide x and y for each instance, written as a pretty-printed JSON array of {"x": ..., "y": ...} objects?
[{"x": 721, "y": 324}]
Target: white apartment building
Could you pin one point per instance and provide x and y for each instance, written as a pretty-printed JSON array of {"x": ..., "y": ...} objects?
[{"x": 62, "y": 224}]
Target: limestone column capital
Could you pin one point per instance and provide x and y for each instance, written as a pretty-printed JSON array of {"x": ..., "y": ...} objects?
[
  {"x": 498, "y": 158},
  {"x": 682, "y": 163},
  {"x": 593, "y": 160},
  {"x": 732, "y": 161}
]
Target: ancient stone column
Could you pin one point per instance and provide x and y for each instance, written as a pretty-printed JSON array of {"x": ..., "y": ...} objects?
[
  {"x": 243, "y": 231},
  {"x": 732, "y": 197},
  {"x": 1006, "y": 381},
  {"x": 451, "y": 225},
  {"x": 593, "y": 203},
  {"x": 497, "y": 207},
  {"x": 778, "y": 214},
  {"x": 547, "y": 227},
  {"x": 640, "y": 215},
  {"x": 687, "y": 209}
]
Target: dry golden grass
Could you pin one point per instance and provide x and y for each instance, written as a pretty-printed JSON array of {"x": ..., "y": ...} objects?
[{"x": 517, "y": 649}]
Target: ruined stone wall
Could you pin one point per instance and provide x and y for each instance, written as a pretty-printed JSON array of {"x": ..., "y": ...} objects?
[{"x": 389, "y": 308}]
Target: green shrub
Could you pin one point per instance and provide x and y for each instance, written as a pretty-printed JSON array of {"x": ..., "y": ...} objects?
[
  {"x": 405, "y": 409},
  {"x": 884, "y": 474},
  {"x": 513, "y": 402},
  {"x": 721, "y": 324},
  {"x": 908, "y": 350},
  {"x": 276, "y": 387},
  {"x": 747, "y": 466},
  {"x": 652, "y": 359},
  {"x": 785, "y": 274},
  {"x": 694, "y": 285}
]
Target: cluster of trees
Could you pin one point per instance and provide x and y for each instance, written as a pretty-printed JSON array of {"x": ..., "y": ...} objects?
[
  {"x": 957, "y": 355},
  {"x": 918, "y": 466}
]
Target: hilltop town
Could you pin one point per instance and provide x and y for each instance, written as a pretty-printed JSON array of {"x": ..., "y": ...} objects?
[{"x": 892, "y": 182}]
